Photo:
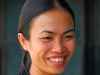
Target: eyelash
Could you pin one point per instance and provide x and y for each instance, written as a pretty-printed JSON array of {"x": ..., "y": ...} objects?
[
  {"x": 46, "y": 38},
  {"x": 69, "y": 37}
]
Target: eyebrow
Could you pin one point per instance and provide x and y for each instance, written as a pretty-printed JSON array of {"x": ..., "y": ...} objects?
[
  {"x": 69, "y": 30},
  {"x": 46, "y": 31}
]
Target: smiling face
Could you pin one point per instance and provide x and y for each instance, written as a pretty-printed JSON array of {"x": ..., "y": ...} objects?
[{"x": 51, "y": 42}]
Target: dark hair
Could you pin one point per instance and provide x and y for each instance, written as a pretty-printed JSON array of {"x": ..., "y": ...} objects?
[
  {"x": 30, "y": 10},
  {"x": 25, "y": 64},
  {"x": 33, "y": 8}
]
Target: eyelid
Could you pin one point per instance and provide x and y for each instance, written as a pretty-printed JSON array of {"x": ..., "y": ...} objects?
[
  {"x": 69, "y": 36},
  {"x": 47, "y": 32},
  {"x": 69, "y": 31},
  {"x": 46, "y": 37}
]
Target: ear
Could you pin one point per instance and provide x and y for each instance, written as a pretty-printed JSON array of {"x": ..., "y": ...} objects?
[{"x": 23, "y": 41}]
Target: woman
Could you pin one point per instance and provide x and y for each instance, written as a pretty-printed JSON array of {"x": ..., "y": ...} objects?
[{"x": 47, "y": 34}]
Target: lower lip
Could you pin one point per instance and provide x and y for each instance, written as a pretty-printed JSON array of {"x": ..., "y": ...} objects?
[{"x": 59, "y": 65}]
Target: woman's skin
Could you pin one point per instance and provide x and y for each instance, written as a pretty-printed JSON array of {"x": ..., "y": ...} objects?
[{"x": 51, "y": 42}]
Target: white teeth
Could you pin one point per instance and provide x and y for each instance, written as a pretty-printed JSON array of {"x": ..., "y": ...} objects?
[{"x": 57, "y": 60}]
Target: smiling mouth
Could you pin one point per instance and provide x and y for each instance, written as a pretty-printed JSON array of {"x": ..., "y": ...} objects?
[{"x": 57, "y": 61}]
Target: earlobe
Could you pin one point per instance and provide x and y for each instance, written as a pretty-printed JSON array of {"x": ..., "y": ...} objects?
[{"x": 23, "y": 41}]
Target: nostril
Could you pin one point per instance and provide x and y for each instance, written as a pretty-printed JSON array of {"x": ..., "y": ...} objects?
[
  {"x": 59, "y": 49},
  {"x": 58, "y": 46}
]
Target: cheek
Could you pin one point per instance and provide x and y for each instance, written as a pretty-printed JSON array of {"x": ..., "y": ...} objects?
[
  {"x": 38, "y": 48},
  {"x": 38, "y": 52},
  {"x": 71, "y": 45}
]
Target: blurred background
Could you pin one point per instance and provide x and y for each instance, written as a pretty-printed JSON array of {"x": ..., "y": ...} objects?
[{"x": 86, "y": 59}]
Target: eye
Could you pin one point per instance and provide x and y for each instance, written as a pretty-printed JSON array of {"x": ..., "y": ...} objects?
[
  {"x": 69, "y": 37},
  {"x": 47, "y": 38}
]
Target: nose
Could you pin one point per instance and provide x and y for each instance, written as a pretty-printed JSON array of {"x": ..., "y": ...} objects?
[{"x": 58, "y": 47}]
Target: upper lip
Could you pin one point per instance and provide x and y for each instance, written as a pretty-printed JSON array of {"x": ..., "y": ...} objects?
[{"x": 57, "y": 56}]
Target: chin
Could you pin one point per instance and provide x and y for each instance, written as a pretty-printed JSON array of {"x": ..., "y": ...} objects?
[{"x": 55, "y": 71}]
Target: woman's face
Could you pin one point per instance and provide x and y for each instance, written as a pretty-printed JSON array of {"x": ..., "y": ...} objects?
[{"x": 52, "y": 41}]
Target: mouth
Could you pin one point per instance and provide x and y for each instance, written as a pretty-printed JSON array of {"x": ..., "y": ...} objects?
[{"x": 57, "y": 61}]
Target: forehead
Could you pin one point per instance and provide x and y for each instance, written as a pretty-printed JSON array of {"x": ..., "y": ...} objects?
[{"x": 56, "y": 19}]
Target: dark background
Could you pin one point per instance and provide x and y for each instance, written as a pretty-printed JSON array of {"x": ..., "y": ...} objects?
[
  {"x": 86, "y": 60},
  {"x": 92, "y": 37}
]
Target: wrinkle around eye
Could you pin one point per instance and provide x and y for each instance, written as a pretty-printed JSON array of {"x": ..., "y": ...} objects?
[
  {"x": 46, "y": 39},
  {"x": 69, "y": 37}
]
